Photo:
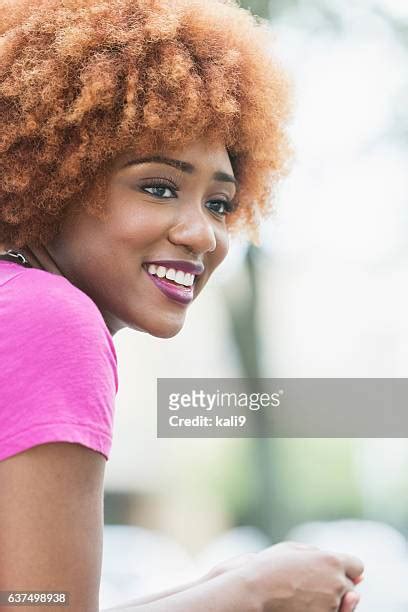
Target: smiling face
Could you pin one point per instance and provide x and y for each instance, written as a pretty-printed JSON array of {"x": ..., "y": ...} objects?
[{"x": 173, "y": 209}]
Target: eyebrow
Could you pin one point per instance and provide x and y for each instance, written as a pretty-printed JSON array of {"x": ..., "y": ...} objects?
[{"x": 183, "y": 166}]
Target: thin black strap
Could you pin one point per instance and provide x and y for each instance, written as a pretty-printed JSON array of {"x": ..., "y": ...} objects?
[{"x": 17, "y": 260}]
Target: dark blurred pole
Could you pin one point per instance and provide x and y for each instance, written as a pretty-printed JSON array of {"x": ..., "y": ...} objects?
[
  {"x": 264, "y": 512},
  {"x": 244, "y": 317}
]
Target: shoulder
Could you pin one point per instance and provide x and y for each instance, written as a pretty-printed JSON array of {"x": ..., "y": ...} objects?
[
  {"x": 38, "y": 293},
  {"x": 48, "y": 309},
  {"x": 59, "y": 372}
]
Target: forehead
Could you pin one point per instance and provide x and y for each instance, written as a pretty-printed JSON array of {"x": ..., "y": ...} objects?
[
  {"x": 206, "y": 151},
  {"x": 205, "y": 154}
]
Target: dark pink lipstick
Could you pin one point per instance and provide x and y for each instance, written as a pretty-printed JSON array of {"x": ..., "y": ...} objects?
[{"x": 178, "y": 293}]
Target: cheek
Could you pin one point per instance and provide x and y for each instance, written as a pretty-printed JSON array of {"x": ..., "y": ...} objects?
[{"x": 138, "y": 225}]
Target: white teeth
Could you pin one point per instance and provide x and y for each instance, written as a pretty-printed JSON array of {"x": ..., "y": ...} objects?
[
  {"x": 178, "y": 276},
  {"x": 171, "y": 274}
]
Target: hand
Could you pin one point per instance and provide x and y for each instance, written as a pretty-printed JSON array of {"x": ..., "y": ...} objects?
[{"x": 291, "y": 577}]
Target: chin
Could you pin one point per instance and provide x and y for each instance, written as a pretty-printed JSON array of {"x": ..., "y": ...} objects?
[
  {"x": 168, "y": 332},
  {"x": 160, "y": 330}
]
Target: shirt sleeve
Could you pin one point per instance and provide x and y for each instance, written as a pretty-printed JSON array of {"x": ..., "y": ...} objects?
[{"x": 58, "y": 375}]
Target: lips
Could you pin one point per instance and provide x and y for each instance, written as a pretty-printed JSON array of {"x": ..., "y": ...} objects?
[{"x": 175, "y": 292}]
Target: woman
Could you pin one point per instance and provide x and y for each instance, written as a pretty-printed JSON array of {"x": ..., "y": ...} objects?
[{"x": 137, "y": 136}]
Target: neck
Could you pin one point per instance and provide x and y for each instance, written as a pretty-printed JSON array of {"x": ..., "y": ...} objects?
[{"x": 39, "y": 257}]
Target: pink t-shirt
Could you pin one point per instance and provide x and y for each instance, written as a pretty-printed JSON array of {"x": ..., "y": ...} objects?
[{"x": 58, "y": 368}]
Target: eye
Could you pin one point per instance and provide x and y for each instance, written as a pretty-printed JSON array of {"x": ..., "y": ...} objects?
[
  {"x": 160, "y": 189},
  {"x": 224, "y": 207}
]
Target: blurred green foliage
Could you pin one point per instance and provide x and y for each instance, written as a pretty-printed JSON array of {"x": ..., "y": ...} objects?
[{"x": 257, "y": 7}]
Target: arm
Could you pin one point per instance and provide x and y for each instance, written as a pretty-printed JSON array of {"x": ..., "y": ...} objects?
[
  {"x": 51, "y": 522},
  {"x": 153, "y": 597},
  {"x": 229, "y": 592},
  {"x": 219, "y": 569},
  {"x": 51, "y": 534}
]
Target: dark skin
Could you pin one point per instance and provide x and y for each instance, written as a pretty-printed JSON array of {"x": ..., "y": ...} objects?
[{"x": 104, "y": 258}]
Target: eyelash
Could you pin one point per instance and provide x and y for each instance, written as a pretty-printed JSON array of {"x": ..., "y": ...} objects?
[{"x": 228, "y": 204}]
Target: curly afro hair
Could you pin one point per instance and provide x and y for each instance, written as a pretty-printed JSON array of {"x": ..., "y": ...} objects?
[{"x": 82, "y": 81}]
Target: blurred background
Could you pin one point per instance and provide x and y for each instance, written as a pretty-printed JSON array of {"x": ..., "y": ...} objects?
[{"x": 324, "y": 296}]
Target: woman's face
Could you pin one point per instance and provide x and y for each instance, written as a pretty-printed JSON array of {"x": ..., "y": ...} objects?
[{"x": 158, "y": 211}]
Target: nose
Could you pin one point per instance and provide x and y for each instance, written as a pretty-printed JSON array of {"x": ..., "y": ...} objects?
[{"x": 194, "y": 229}]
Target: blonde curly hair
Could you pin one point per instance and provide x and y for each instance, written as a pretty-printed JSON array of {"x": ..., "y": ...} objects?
[{"x": 82, "y": 81}]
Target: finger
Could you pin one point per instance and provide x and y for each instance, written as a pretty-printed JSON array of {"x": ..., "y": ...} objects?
[
  {"x": 353, "y": 566},
  {"x": 349, "y": 602},
  {"x": 348, "y": 588},
  {"x": 358, "y": 579}
]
